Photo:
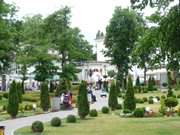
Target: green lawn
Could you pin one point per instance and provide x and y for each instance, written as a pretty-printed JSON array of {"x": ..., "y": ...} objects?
[{"x": 113, "y": 125}]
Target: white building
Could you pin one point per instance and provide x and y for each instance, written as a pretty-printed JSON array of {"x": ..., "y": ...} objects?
[{"x": 100, "y": 67}]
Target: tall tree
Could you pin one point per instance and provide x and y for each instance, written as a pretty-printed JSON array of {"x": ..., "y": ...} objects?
[
  {"x": 121, "y": 34},
  {"x": 69, "y": 43},
  {"x": 6, "y": 44},
  {"x": 36, "y": 45},
  {"x": 58, "y": 27},
  {"x": 141, "y": 4},
  {"x": 142, "y": 55}
]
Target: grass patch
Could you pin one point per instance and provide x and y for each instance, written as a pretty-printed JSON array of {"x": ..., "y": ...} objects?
[{"x": 113, "y": 125}]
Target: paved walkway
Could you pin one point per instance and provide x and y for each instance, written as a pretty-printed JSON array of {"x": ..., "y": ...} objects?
[{"x": 12, "y": 125}]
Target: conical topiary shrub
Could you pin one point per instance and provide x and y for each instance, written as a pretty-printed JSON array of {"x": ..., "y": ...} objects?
[
  {"x": 13, "y": 103},
  {"x": 113, "y": 102},
  {"x": 83, "y": 104},
  {"x": 45, "y": 101},
  {"x": 129, "y": 101}
]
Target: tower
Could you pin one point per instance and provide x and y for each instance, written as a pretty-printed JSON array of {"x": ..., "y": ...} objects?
[{"x": 100, "y": 47}]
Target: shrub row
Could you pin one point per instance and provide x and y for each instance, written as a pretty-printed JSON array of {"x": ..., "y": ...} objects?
[
  {"x": 38, "y": 126},
  {"x": 30, "y": 98}
]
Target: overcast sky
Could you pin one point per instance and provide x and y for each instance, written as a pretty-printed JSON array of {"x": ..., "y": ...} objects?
[{"x": 88, "y": 15}]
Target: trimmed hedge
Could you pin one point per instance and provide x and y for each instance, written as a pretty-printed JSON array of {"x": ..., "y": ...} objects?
[
  {"x": 37, "y": 127},
  {"x": 126, "y": 111},
  {"x": 56, "y": 122},
  {"x": 30, "y": 98},
  {"x": 151, "y": 101},
  {"x": 93, "y": 113},
  {"x": 5, "y": 95},
  {"x": 119, "y": 107},
  {"x": 105, "y": 110},
  {"x": 139, "y": 112},
  {"x": 71, "y": 119}
]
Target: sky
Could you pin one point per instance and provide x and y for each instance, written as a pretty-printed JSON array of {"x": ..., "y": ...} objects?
[{"x": 89, "y": 15}]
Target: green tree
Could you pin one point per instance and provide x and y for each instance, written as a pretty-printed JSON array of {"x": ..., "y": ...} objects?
[
  {"x": 112, "y": 101},
  {"x": 141, "y": 4},
  {"x": 129, "y": 101},
  {"x": 150, "y": 85},
  {"x": 171, "y": 102},
  {"x": 44, "y": 96},
  {"x": 63, "y": 87},
  {"x": 170, "y": 37},
  {"x": 13, "y": 100},
  {"x": 142, "y": 54},
  {"x": 36, "y": 45},
  {"x": 121, "y": 35},
  {"x": 20, "y": 91},
  {"x": 170, "y": 92},
  {"x": 83, "y": 104},
  {"x": 111, "y": 73},
  {"x": 59, "y": 32},
  {"x": 138, "y": 85},
  {"x": 6, "y": 39},
  {"x": 68, "y": 42}
]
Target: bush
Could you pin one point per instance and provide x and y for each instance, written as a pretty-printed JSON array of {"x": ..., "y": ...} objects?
[
  {"x": 139, "y": 112},
  {"x": 4, "y": 108},
  {"x": 28, "y": 107},
  {"x": 171, "y": 102},
  {"x": 178, "y": 111},
  {"x": 119, "y": 94},
  {"x": 158, "y": 98},
  {"x": 178, "y": 96},
  {"x": 1, "y": 97},
  {"x": 5, "y": 95},
  {"x": 145, "y": 99},
  {"x": 140, "y": 101},
  {"x": 163, "y": 110},
  {"x": 163, "y": 96},
  {"x": 29, "y": 98},
  {"x": 164, "y": 84},
  {"x": 145, "y": 90},
  {"x": 119, "y": 107},
  {"x": 37, "y": 127},
  {"x": 151, "y": 101},
  {"x": 105, "y": 110},
  {"x": 56, "y": 122},
  {"x": 93, "y": 113},
  {"x": 125, "y": 111},
  {"x": 21, "y": 108},
  {"x": 71, "y": 119}
]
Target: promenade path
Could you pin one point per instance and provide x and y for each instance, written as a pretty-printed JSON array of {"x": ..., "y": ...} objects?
[{"x": 14, "y": 124}]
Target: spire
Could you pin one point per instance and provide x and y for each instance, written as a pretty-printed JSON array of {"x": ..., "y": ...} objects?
[{"x": 99, "y": 34}]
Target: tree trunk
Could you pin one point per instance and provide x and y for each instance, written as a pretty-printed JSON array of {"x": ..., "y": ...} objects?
[
  {"x": 145, "y": 70},
  {"x": 4, "y": 82},
  {"x": 23, "y": 90}
]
